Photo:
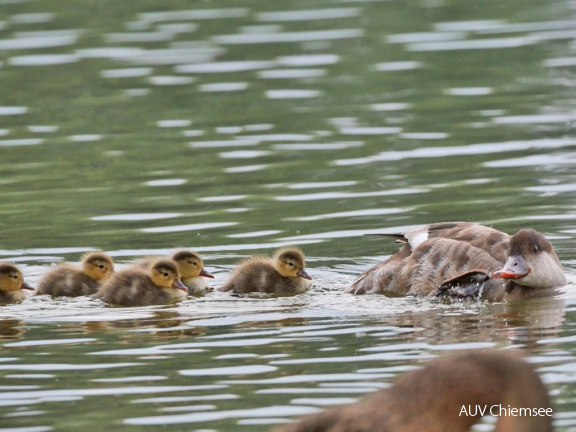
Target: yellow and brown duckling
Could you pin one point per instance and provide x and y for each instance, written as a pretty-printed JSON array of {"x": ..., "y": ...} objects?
[
  {"x": 138, "y": 286},
  {"x": 285, "y": 273},
  {"x": 72, "y": 281},
  {"x": 432, "y": 399},
  {"x": 192, "y": 271},
  {"x": 190, "y": 266},
  {"x": 11, "y": 284}
]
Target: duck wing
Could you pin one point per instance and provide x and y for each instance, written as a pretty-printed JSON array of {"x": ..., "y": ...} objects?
[{"x": 486, "y": 238}]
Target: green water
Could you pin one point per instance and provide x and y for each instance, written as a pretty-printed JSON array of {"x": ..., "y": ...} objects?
[{"x": 236, "y": 127}]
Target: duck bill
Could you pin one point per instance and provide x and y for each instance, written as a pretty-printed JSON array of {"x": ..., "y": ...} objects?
[
  {"x": 302, "y": 273},
  {"x": 26, "y": 286},
  {"x": 515, "y": 268},
  {"x": 206, "y": 274},
  {"x": 179, "y": 285}
]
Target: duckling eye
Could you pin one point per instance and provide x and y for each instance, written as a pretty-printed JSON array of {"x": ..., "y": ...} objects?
[
  {"x": 14, "y": 276},
  {"x": 166, "y": 274},
  {"x": 101, "y": 266},
  {"x": 291, "y": 264}
]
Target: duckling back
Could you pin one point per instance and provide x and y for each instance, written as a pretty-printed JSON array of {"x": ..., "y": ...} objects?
[
  {"x": 135, "y": 287},
  {"x": 258, "y": 274},
  {"x": 67, "y": 280}
]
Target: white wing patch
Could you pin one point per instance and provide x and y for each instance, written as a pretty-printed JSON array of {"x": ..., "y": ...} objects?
[{"x": 416, "y": 236}]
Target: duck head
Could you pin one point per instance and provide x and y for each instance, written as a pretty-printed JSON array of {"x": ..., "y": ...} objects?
[
  {"x": 97, "y": 265},
  {"x": 190, "y": 265},
  {"x": 11, "y": 279},
  {"x": 164, "y": 274},
  {"x": 532, "y": 262},
  {"x": 289, "y": 262}
]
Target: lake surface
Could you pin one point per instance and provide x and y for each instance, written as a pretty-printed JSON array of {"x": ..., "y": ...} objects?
[{"x": 233, "y": 128}]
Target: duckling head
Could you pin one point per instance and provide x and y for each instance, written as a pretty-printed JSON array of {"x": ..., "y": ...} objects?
[
  {"x": 289, "y": 262},
  {"x": 164, "y": 274},
  {"x": 190, "y": 265},
  {"x": 11, "y": 279},
  {"x": 97, "y": 265}
]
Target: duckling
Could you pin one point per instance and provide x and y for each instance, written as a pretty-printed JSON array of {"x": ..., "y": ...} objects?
[
  {"x": 71, "y": 281},
  {"x": 190, "y": 266},
  {"x": 446, "y": 395},
  {"x": 11, "y": 284},
  {"x": 462, "y": 259},
  {"x": 136, "y": 286},
  {"x": 192, "y": 271},
  {"x": 283, "y": 274}
]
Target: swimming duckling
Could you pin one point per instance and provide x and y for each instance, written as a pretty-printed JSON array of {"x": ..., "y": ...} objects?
[
  {"x": 283, "y": 274},
  {"x": 465, "y": 260},
  {"x": 136, "y": 286},
  {"x": 191, "y": 269},
  {"x": 446, "y": 395},
  {"x": 11, "y": 284},
  {"x": 71, "y": 281}
]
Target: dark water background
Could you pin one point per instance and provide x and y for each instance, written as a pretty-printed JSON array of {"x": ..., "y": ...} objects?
[{"x": 234, "y": 127}]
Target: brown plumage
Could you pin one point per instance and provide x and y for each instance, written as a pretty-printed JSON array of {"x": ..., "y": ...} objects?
[
  {"x": 137, "y": 286},
  {"x": 72, "y": 281},
  {"x": 463, "y": 260},
  {"x": 283, "y": 274},
  {"x": 432, "y": 399},
  {"x": 11, "y": 284}
]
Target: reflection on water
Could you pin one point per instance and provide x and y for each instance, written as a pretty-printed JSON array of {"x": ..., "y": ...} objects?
[{"x": 233, "y": 129}]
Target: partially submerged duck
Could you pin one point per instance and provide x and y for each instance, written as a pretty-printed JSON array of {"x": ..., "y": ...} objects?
[
  {"x": 136, "y": 286},
  {"x": 446, "y": 395},
  {"x": 11, "y": 284},
  {"x": 285, "y": 273},
  {"x": 462, "y": 259},
  {"x": 191, "y": 269},
  {"x": 72, "y": 281}
]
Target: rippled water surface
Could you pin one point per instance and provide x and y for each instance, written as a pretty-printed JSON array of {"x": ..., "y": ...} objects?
[{"x": 233, "y": 128}]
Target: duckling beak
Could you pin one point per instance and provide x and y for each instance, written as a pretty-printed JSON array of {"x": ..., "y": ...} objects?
[
  {"x": 205, "y": 273},
  {"x": 302, "y": 273},
  {"x": 26, "y": 286},
  {"x": 179, "y": 285},
  {"x": 515, "y": 268}
]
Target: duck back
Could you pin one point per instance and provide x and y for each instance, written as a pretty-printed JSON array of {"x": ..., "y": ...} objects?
[
  {"x": 431, "y": 399},
  {"x": 422, "y": 270}
]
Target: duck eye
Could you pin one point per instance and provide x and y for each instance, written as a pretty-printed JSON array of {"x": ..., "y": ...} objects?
[
  {"x": 101, "y": 266},
  {"x": 291, "y": 264},
  {"x": 14, "y": 276},
  {"x": 166, "y": 274}
]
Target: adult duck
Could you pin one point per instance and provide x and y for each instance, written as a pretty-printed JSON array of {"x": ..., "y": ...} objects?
[
  {"x": 463, "y": 259},
  {"x": 11, "y": 284},
  {"x": 450, "y": 394},
  {"x": 285, "y": 273}
]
